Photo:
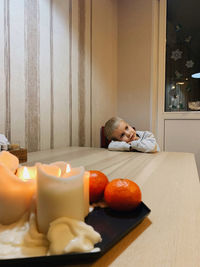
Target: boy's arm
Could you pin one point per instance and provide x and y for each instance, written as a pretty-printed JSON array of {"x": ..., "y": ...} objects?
[
  {"x": 119, "y": 146},
  {"x": 146, "y": 143}
]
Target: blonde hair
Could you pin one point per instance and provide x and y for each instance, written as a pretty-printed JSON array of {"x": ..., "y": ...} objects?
[{"x": 110, "y": 126}]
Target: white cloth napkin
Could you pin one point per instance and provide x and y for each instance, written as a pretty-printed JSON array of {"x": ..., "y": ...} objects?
[{"x": 3, "y": 142}]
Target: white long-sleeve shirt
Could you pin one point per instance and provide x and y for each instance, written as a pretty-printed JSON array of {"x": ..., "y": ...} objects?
[{"x": 145, "y": 143}]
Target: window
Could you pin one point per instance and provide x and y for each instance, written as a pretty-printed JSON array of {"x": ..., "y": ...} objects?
[{"x": 182, "y": 88}]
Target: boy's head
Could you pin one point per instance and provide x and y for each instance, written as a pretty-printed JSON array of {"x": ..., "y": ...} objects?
[{"x": 117, "y": 129}]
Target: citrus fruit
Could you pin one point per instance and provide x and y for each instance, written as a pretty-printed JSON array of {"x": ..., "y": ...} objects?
[
  {"x": 122, "y": 194},
  {"x": 97, "y": 184}
]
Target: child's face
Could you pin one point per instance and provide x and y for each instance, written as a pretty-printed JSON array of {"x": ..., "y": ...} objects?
[{"x": 124, "y": 132}]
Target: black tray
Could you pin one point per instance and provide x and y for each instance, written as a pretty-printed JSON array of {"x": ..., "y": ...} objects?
[{"x": 112, "y": 226}]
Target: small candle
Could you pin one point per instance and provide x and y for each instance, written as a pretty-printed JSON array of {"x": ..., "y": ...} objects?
[
  {"x": 72, "y": 172},
  {"x": 15, "y": 195},
  {"x": 66, "y": 195},
  {"x": 69, "y": 171},
  {"x": 68, "y": 168},
  {"x": 26, "y": 173},
  {"x": 9, "y": 160}
]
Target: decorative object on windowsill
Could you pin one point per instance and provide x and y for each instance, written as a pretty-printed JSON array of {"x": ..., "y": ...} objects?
[
  {"x": 188, "y": 39},
  {"x": 173, "y": 93},
  {"x": 20, "y": 153},
  {"x": 194, "y": 105},
  {"x": 15, "y": 149}
]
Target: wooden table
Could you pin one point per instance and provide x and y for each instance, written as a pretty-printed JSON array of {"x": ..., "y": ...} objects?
[{"x": 170, "y": 235}]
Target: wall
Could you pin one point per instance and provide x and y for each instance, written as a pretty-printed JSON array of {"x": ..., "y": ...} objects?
[
  {"x": 56, "y": 70},
  {"x": 104, "y": 64},
  {"x": 183, "y": 136},
  {"x": 134, "y": 62}
]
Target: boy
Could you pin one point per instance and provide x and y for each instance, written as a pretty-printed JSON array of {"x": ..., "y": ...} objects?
[{"x": 124, "y": 138}]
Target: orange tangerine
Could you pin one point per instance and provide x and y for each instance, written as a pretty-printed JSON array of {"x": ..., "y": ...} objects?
[
  {"x": 122, "y": 194},
  {"x": 97, "y": 184}
]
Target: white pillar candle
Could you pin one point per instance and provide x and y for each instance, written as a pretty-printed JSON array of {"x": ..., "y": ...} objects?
[
  {"x": 15, "y": 195},
  {"x": 64, "y": 196},
  {"x": 67, "y": 171},
  {"x": 86, "y": 193}
]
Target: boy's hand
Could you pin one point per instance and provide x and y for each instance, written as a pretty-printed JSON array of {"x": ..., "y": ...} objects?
[{"x": 135, "y": 138}]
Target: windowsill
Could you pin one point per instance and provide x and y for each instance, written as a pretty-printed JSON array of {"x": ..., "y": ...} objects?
[{"x": 187, "y": 115}]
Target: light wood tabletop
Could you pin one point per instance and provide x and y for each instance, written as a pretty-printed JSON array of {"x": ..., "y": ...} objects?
[{"x": 170, "y": 235}]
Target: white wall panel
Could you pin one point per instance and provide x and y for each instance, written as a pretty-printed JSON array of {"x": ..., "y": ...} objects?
[
  {"x": 45, "y": 74},
  {"x": 2, "y": 77},
  {"x": 58, "y": 71},
  {"x": 75, "y": 102},
  {"x": 104, "y": 64},
  {"x": 61, "y": 72},
  {"x": 17, "y": 81},
  {"x": 88, "y": 51},
  {"x": 134, "y": 62}
]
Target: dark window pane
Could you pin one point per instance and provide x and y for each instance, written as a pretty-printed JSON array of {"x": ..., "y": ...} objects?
[{"x": 182, "y": 91}]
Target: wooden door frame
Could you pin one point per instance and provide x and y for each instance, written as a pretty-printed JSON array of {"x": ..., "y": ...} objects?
[
  {"x": 161, "y": 71},
  {"x": 158, "y": 69}
]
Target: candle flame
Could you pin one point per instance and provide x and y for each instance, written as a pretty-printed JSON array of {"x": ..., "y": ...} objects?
[
  {"x": 59, "y": 172},
  {"x": 68, "y": 168},
  {"x": 25, "y": 174}
]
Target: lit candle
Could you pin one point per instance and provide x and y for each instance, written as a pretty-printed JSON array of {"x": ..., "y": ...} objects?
[
  {"x": 69, "y": 171},
  {"x": 15, "y": 195},
  {"x": 68, "y": 168},
  {"x": 73, "y": 172},
  {"x": 66, "y": 195},
  {"x": 9, "y": 160},
  {"x": 27, "y": 173}
]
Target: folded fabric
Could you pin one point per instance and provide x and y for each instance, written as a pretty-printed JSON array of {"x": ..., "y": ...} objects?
[
  {"x": 145, "y": 143},
  {"x": 119, "y": 145},
  {"x": 3, "y": 140}
]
